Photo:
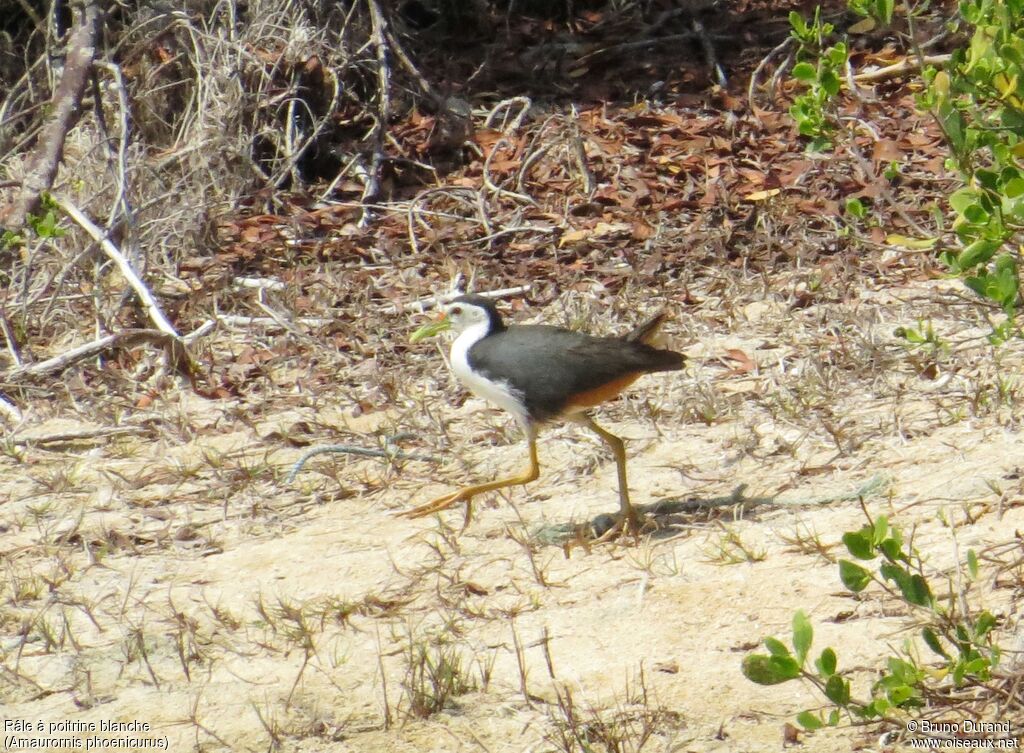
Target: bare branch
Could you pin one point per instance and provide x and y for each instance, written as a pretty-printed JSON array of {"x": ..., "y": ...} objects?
[
  {"x": 127, "y": 338},
  {"x": 147, "y": 299},
  {"x": 66, "y": 107}
]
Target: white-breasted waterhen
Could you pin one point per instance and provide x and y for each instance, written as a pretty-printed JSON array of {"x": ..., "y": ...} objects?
[{"x": 539, "y": 374}]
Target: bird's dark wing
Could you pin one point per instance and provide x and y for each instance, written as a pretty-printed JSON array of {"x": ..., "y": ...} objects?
[{"x": 549, "y": 365}]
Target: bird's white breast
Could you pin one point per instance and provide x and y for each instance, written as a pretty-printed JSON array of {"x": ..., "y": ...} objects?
[{"x": 498, "y": 392}]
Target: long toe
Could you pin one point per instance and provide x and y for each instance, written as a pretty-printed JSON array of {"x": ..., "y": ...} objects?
[
  {"x": 441, "y": 503},
  {"x": 607, "y": 527}
]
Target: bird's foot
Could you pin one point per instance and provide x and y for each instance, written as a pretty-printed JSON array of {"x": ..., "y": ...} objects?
[
  {"x": 443, "y": 503},
  {"x": 439, "y": 504},
  {"x": 627, "y": 523}
]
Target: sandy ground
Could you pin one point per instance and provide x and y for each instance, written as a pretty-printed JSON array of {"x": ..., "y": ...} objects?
[{"x": 171, "y": 577}]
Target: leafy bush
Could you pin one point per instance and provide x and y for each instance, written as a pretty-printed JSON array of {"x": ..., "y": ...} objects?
[
  {"x": 977, "y": 100},
  {"x": 962, "y": 640}
]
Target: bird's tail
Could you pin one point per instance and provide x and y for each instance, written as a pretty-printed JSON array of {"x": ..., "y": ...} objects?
[{"x": 647, "y": 332}]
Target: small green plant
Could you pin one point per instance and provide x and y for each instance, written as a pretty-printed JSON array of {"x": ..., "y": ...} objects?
[
  {"x": 923, "y": 338},
  {"x": 819, "y": 69},
  {"x": 45, "y": 225},
  {"x": 880, "y": 11},
  {"x": 960, "y": 639},
  {"x": 435, "y": 673},
  {"x": 731, "y": 549},
  {"x": 635, "y": 721},
  {"x": 978, "y": 101}
]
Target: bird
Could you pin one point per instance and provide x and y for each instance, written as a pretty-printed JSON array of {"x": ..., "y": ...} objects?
[{"x": 542, "y": 374}]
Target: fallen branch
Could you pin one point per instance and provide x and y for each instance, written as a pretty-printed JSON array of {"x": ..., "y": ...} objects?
[
  {"x": 371, "y": 189},
  {"x": 65, "y": 108},
  {"x": 904, "y": 66},
  {"x": 148, "y": 301},
  {"x": 74, "y": 436},
  {"x": 430, "y": 302},
  {"x": 233, "y": 320},
  {"x": 780, "y": 48},
  {"x": 10, "y": 410},
  {"x": 259, "y": 283},
  {"x": 127, "y": 338}
]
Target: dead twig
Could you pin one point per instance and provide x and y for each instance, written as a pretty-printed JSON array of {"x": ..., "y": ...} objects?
[
  {"x": 505, "y": 106},
  {"x": 274, "y": 322},
  {"x": 904, "y": 66},
  {"x": 756, "y": 75},
  {"x": 709, "y": 54},
  {"x": 414, "y": 214},
  {"x": 390, "y": 452},
  {"x": 371, "y": 190},
  {"x": 435, "y": 300},
  {"x": 491, "y": 185},
  {"x": 66, "y": 437},
  {"x": 124, "y": 339},
  {"x": 124, "y": 266}
]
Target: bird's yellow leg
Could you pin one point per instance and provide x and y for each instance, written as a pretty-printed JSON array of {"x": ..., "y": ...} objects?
[
  {"x": 630, "y": 521},
  {"x": 467, "y": 493}
]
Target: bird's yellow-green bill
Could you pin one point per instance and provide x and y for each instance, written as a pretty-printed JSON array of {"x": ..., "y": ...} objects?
[{"x": 430, "y": 329}]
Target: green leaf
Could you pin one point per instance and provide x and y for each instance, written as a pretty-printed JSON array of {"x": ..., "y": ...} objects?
[
  {"x": 807, "y": 720},
  {"x": 978, "y": 284},
  {"x": 884, "y": 10},
  {"x": 952, "y": 125},
  {"x": 892, "y": 547},
  {"x": 1014, "y": 188},
  {"x": 854, "y": 577},
  {"x": 985, "y": 622},
  {"x": 917, "y": 592},
  {"x": 837, "y": 690},
  {"x": 972, "y": 564},
  {"x": 978, "y": 668},
  {"x": 962, "y": 198},
  {"x": 856, "y": 208},
  {"x": 837, "y": 55},
  {"x": 879, "y": 529},
  {"x": 858, "y": 543},
  {"x": 899, "y": 694},
  {"x": 803, "y": 636},
  {"x": 776, "y": 647},
  {"x": 977, "y": 253},
  {"x": 827, "y": 662},
  {"x": 804, "y": 72},
  {"x": 894, "y": 572},
  {"x": 829, "y": 82},
  {"x": 769, "y": 670},
  {"x": 798, "y": 23},
  {"x": 975, "y": 214},
  {"x": 914, "y": 588},
  {"x": 932, "y": 641}
]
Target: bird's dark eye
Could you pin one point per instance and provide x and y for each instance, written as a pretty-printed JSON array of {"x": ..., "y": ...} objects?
[{"x": 457, "y": 310}]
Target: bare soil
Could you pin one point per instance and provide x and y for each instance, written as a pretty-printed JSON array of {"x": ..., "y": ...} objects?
[
  {"x": 177, "y": 580},
  {"x": 159, "y": 566}
]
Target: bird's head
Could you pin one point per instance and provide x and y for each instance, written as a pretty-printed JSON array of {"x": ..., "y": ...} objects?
[{"x": 459, "y": 315}]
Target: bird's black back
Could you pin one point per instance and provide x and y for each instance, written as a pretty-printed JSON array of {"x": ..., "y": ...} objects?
[{"x": 548, "y": 365}]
